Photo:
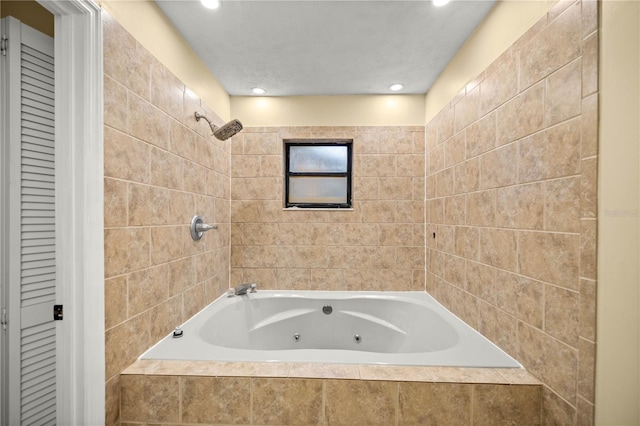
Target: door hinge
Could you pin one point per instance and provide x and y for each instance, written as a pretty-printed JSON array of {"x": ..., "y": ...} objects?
[
  {"x": 57, "y": 312},
  {"x": 3, "y": 45},
  {"x": 3, "y": 321}
]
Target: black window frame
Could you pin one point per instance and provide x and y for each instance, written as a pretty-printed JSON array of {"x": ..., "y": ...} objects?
[{"x": 348, "y": 143}]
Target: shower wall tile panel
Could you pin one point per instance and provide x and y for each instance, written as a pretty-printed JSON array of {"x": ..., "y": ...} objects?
[
  {"x": 161, "y": 168},
  {"x": 509, "y": 172},
  {"x": 330, "y": 400},
  {"x": 511, "y": 226},
  {"x": 378, "y": 245}
]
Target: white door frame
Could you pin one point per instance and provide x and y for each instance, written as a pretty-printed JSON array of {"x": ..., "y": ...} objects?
[{"x": 79, "y": 210}]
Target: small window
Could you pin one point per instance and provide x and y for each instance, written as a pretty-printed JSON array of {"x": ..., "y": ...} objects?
[{"x": 318, "y": 173}]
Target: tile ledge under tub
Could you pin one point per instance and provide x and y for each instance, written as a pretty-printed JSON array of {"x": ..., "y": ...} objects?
[{"x": 505, "y": 376}]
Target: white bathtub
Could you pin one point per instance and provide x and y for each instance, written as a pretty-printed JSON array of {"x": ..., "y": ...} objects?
[{"x": 397, "y": 328}]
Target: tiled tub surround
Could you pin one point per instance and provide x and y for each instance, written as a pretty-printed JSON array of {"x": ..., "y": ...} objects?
[
  {"x": 378, "y": 245},
  {"x": 161, "y": 168},
  {"x": 195, "y": 393},
  {"x": 511, "y": 191},
  {"x": 511, "y": 176}
]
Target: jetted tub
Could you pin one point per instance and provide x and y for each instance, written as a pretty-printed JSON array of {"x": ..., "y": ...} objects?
[{"x": 397, "y": 328}]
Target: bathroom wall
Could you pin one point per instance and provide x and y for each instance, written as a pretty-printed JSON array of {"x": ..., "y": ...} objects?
[
  {"x": 339, "y": 110},
  {"x": 144, "y": 20},
  {"x": 378, "y": 245},
  {"x": 161, "y": 168},
  {"x": 506, "y": 22},
  {"x": 511, "y": 192},
  {"x": 618, "y": 350}
]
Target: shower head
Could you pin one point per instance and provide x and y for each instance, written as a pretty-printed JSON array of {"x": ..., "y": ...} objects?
[{"x": 225, "y": 131}]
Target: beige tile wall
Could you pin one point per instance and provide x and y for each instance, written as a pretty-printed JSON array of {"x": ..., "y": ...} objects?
[
  {"x": 176, "y": 392},
  {"x": 511, "y": 175},
  {"x": 161, "y": 168},
  {"x": 511, "y": 190},
  {"x": 378, "y": 245}
]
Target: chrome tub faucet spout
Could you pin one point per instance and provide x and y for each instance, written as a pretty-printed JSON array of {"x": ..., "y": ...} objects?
[{"x": 244, "y": 288}]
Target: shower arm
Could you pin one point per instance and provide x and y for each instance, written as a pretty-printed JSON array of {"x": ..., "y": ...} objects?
[{"x": 199, "y": 116}]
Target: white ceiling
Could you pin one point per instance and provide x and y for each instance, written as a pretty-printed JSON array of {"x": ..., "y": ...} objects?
[{"x": 321, "y": 47}]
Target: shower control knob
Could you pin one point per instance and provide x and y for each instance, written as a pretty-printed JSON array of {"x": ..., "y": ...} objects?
[
  {"x": 203, "y": 227},
  {"x": 198, "y": 227}
]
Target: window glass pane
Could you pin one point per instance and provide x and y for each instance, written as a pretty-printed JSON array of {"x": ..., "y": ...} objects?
[
  {"x": 318, "y": 190},
  {"x": 332, "y": 159}
]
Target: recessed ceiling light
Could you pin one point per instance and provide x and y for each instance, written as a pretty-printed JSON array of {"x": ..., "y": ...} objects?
[
  {"x": 396, "y": 87},
  {"x": 440, "y": 2},
  {"x": 258, "y": 91},
  {"x": 210, "y": 4}
]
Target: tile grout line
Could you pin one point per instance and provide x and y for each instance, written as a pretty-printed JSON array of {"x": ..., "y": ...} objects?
[
  {"x": 397, "y": 404},
  {"x": 323, "y": 406},
  {"x": 180, "y": 395},
  {"x": 251, "y": 388},
  {"x": 471, "y": 405}
]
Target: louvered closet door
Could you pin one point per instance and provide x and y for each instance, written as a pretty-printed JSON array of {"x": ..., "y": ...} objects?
[{"x": 32, "y": 286}]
